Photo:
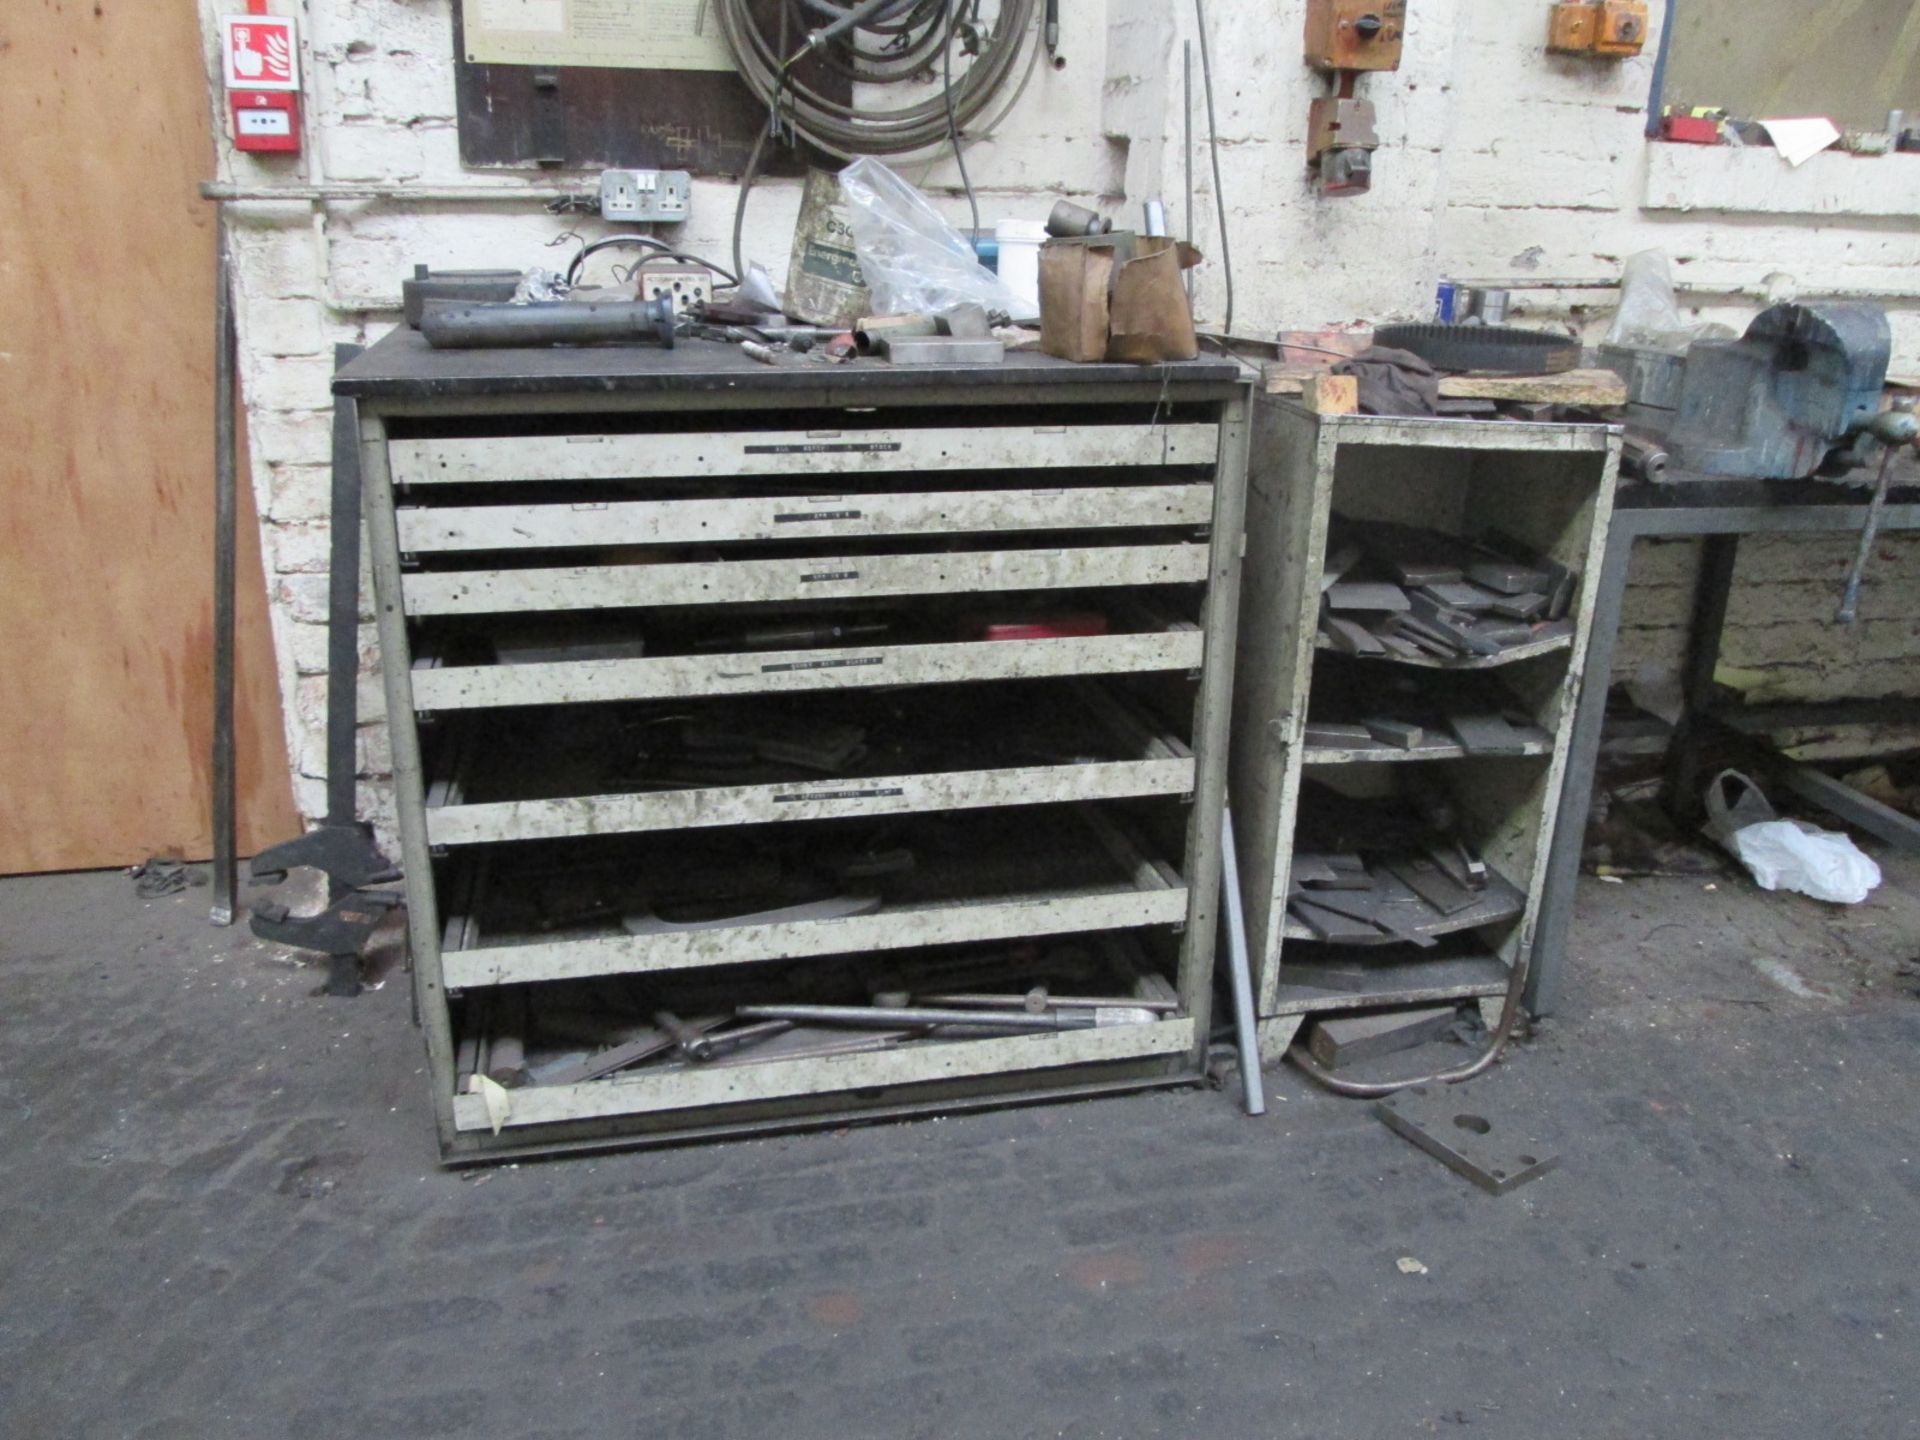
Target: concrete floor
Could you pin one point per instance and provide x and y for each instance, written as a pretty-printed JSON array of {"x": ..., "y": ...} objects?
[{"x": 220, "y": 1215}]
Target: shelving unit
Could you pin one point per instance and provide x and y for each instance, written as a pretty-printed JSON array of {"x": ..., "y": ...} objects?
[
  {"x": 1548, "y": 487},
  {"x": 715, "y": 685}
]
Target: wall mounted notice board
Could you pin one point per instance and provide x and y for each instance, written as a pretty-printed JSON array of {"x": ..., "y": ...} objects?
[{"x": 585, "y": 84}]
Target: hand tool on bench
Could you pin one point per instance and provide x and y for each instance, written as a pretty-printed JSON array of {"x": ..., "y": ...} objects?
[{"x": 341, "y": 847}]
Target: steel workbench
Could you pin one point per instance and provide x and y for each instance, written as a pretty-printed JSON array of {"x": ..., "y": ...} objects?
[{"x": 1719, "y": 511}]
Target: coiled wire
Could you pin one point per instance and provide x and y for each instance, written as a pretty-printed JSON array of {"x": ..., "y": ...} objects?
[{"x": 872, "y": 43}]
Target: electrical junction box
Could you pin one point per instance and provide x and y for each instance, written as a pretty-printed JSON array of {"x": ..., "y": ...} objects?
[
  {"x": 681, "y": 284},
  {"x": 1612, "y": 29},
  {"x": 1355, "y": 34},
  {"x": 265, "y": 121},
  {"x": 1572, "y": 27},
  {"x": 661, "y": 197},
  {"x": 1623, "y": 28}
]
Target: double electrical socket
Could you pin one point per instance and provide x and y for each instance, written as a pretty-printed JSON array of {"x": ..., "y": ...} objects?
[{"x": 653, "y": 196}]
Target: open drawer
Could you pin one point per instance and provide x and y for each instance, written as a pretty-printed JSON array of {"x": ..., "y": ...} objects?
[
  {"x": 708, "y": 1040},
  {"x": 625, "y": 769},
  {"x": 665, "y": 902}
]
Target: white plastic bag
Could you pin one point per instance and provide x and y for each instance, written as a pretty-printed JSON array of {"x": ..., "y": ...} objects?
[
  {"x": 1782, "y": 854},
  {"x": 1649, "y": 315},
  {"x": 914, "y": 261},
  {"x": 1820, "y": 863}
]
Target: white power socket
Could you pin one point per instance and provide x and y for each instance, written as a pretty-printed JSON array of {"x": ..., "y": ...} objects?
[
  {"x": 683, "y": 284},
  {"x": 652, "y": 196}
]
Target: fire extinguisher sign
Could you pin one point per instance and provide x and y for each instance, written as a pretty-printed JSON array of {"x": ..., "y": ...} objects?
[{"x": 260, "y": 53}]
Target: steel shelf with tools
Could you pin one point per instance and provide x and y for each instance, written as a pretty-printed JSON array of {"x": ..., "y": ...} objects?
[
  {"x": 1413, "y": 634},
  {"x": 780, "y": 744}
]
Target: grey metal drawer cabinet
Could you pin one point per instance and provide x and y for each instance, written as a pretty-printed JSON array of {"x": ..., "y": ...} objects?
[{"x": 716, "y": 687}]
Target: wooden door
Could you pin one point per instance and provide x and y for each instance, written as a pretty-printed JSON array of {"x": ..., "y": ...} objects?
[{"x": 106, "y": 469}]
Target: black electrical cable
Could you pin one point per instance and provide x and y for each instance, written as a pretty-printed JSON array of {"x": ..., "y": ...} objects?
[
  {"x": 953, "y": 129},
  {"x": 649, "y": 242},
  {"x": 1213, "y": 149}
]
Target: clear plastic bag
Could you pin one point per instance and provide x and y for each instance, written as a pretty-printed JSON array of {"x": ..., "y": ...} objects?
[
  {"x": 914, "y": 261},
  {"x": 1649, "y": 315}
]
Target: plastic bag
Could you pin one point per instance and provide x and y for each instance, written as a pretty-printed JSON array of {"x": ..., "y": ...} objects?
[
  {"x": 1784, "y": 855},
  {"x": 914, "y": 261},
  {"x": 538, "y": 287},
  {"x": 1648, "y": 314},
  {"x": 1820, "y": 863}
]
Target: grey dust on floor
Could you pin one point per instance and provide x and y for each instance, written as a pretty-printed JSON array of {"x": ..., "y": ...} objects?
[{"x": 221, "y": 1216}]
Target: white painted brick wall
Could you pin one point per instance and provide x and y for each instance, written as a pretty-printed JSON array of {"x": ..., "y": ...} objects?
[{"x": 1498, "y": 160}]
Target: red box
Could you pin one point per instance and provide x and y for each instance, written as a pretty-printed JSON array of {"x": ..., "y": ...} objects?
[
  {"x": 1690, "y": 130},
  {"x": 265, "y": 120}
]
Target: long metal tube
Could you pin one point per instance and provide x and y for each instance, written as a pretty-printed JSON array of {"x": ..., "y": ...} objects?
[
  {"x": 225, "y": 516},
  {"x": 1186, "y": 113},
  {"x": 1369, "y": 1090},
  {"x": 1246, "y": 1027},
  {"x": 880, "y": 1016},
  {"x": 418, "y": 194}
]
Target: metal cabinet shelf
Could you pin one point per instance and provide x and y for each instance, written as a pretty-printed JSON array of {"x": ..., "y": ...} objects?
[
  {"x": 693, "y": 536},
  {"x": 1548, "y": 487}
]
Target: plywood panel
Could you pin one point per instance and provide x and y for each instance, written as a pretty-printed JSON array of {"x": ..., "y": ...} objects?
[{"x": 106, "y": 504}]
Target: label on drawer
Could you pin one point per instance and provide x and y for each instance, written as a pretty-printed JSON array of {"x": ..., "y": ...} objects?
[
  {"x": 817, "y": 515},
  {"x": 827, "y": 447},
  {"x": 838, "y": 795},
  {"x": 789, "y": 665},
  {"x": 829, "y": 575}
]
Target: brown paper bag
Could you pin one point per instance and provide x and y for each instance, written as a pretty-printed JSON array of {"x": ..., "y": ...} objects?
[{"x": 1116, "y": 297}]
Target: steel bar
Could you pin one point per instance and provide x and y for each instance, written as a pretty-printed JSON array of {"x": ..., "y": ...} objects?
[
  {"x": 1720, "y": 555},
  {"x": 1246, "y": 1028},
  {"x": 879, "y": 1016},
  {"x": 410, "y": 194},
  {"x": 1850, "y": 598},
  {"x": 343, "y": 609},
  {"x": 1050, "y": 1002},
  {"x": 225, "y": 516}
]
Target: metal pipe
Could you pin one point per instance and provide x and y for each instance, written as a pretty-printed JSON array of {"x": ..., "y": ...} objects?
[
  {"x": 1246, "y": 1028},
  {"x": 225, "y": 516},
  {"x": 1052, "y": 1002},
  {"x": 416, "y": 194},
  {"x": 1187, "y": 169},
  {"x": 893, "y": 1016},
  {"x": 1850, "y": 599},
  {"x": 1737, "y": 289},
  {"x": 1368, "y": 1090},
  {"x": 1657, "y": 91}
]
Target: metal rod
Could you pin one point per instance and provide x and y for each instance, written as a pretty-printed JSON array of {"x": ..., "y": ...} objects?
[
  {"x": 1657, "y": 91},
  {"x": 225, "y": 516},
  {"x": 879, "y": 1016},
  {"x": 414, "y": 194},
  {"x": 1052, "y": 1002},
  {"x": 1187, "y": 114},
  {"x": 1850, "y": 601},
  {"x": 343, "y": 608},
  {"x": 1246, "y": 1028}
]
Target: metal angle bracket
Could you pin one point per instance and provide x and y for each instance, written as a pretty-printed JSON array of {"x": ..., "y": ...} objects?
[{"x": 1496, "y": 1154}]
